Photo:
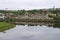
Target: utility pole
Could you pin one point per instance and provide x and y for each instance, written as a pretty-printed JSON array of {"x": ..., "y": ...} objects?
[{"x": 8, "y": 15}]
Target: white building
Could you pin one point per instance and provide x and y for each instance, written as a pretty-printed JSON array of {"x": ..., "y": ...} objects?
[{"x": 2, "y": 16}]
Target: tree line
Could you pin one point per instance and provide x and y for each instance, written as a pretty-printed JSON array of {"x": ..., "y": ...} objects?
[{"x": 22, "y": 12}]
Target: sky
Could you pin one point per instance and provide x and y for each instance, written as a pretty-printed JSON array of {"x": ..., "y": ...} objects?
[{"x": 28, "y": 4}]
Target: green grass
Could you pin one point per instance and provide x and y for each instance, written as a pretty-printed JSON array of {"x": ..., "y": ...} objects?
[{"x": 5, "y": 26}]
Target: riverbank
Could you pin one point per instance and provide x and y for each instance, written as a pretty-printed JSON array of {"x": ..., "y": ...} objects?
[
  {"x": 34, "y": 20},
  {"x": 5, "y": 26}
]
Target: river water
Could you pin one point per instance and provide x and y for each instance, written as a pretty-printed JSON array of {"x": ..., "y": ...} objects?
[{"x": 26, "y": 32}]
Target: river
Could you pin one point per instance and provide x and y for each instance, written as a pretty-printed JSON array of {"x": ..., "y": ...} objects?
[{"x": 31, "y": 32}]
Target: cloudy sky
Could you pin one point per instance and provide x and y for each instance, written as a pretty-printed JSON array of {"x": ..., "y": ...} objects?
[{"x": 28, "y": 4}]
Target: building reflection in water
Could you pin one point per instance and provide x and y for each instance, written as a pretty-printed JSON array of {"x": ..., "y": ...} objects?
[{"x": 32, "y": 24}]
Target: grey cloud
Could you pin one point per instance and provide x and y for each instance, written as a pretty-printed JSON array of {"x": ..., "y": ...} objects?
[{"x": 28, "y": 4}]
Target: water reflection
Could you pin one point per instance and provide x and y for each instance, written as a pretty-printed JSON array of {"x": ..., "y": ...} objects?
[
  {"x": 32, "y": 31},
  {"x": 54, "y": 25}
]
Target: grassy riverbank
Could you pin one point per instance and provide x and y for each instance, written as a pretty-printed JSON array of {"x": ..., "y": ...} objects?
[{"x": 5, "y": 26}]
